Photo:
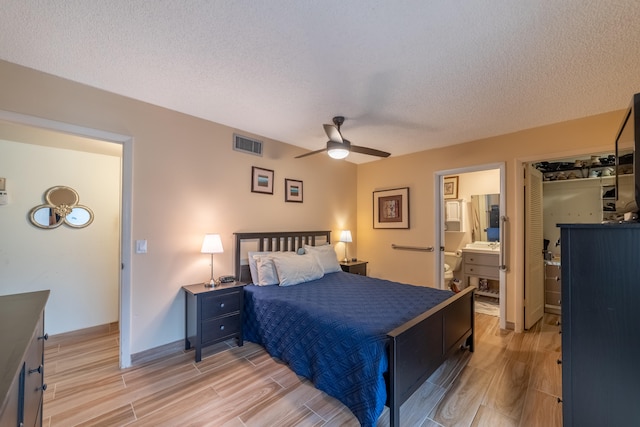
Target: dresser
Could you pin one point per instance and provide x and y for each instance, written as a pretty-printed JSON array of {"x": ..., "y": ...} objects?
[
  {"x": 212, "y": 315},
  {"x": 22, "y": 358},
  {"x": 552, "y": 287},
  {"x": 600, "y": 324}
]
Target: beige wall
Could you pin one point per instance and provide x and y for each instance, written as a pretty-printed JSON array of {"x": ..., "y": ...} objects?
[
  {"x": 80, "y": 266},
  {"x": 591, "y": 134},
  {"x": 187, "y": 181}
]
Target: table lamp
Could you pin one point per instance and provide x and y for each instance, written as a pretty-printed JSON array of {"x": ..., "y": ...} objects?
[
  {"x": 345, "y": 237},
  {"x": 211, "y": 245}
]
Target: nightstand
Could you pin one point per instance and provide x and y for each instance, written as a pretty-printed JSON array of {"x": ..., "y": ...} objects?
[
  {"x": 212, "y": 314},
  {"x": 354, "y": 267}
]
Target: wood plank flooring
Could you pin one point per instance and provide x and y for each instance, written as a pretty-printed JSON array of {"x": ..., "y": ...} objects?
[{"x": 510, "y": 380}]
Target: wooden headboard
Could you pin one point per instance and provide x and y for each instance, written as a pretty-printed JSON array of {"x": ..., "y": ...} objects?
[{"x": 275, "y": 242}]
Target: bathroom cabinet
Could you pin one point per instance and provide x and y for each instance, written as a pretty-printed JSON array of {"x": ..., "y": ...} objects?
[
  {"x": 483, "y": 265},
  {"x": 600, "y": 318}
]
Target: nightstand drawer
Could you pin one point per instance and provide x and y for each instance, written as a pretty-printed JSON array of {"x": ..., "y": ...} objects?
[
  {"x": 354, "y": 267},
  {"x": 217, "y": 304},
  {"x": 220, "y": 327}
]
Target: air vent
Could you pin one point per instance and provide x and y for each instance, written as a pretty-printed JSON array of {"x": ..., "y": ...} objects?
[{"x": 247, "y": 145}]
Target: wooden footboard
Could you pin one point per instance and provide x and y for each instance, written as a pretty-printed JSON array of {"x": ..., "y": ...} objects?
[{"x": 420, "y": 346}]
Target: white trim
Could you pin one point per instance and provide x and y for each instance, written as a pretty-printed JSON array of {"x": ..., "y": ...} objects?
[
  {"x": 439, "y": 229},
  {"x": 127, "y": 185}
]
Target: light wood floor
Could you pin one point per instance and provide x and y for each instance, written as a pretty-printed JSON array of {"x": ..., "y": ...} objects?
[{"x": 510, "y": 380}]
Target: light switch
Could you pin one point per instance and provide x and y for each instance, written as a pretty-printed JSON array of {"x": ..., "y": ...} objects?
[
  {"x": 3, "y": 183},
  {"x": 141, "y": 246}
]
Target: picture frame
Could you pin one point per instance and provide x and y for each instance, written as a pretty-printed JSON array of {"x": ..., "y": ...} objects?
[
  {"x": 391, "y": 208},
  {"x": 293, "y": 190},
  {"x": 450, "y": 187},
  {"x": 261, "y": 180}
]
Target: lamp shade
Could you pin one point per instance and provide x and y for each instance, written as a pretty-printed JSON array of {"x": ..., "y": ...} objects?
[
  {"x": 345, "y": 236},
  {"x": 211, "y": 244}
]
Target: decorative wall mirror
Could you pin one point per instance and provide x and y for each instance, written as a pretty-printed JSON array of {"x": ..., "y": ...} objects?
[{"x": 62, "y": 208}]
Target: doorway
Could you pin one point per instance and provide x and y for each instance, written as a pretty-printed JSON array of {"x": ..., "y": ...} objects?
[
  {"x": 464, "y": 236},
  {"x": 125, "y": 220}
]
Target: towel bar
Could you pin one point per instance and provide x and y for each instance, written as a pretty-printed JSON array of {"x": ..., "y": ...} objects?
[{"x": 413, "y": 248}]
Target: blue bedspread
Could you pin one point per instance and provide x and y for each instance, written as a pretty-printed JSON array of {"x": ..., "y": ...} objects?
[{"x": 333, "y": 331}]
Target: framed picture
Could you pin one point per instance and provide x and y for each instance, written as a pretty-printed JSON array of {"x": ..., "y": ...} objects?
[
  {"x": 450, "y": 190},
  {"x": 391, "y": 208},
  {"x": 261, "y": 180},
  {"x": 292, "y": 190}
]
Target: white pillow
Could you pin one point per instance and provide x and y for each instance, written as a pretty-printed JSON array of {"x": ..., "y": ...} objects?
[
  {"x": 298, "y": 269},
  {"x": 253, "y": 265},
  {"x": 326, "y": 256},
  {"x": 266, "y": 273}
]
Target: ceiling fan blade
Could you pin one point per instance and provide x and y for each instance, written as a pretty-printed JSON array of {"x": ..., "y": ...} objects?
[
  {"x": 369, "y": 151},
  {"x": 310, "y": 153},
  {"x": 333, "y": 133}
]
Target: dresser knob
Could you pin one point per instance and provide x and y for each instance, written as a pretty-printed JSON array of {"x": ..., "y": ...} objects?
[
  {"x": 44, "y": 337},
  {"x": 43, "y": 388},
  {"x": 222, "y": 327},
  {"x": 221, "y": 305},
  {"x": 559, "y": 400},
  {"x": 38, "y": 370},
  {"x": 559, "y": 361}
]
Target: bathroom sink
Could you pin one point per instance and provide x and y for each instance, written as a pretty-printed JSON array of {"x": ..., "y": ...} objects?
[{"x": 483, "y": 246}]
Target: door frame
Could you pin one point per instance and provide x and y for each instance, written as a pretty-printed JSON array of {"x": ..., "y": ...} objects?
[
  {"x": 439, "y": 225},
  {"x": 126, "y": 207}
]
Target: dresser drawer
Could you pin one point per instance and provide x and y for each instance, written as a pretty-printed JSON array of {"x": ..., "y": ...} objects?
[
  {"x": 552, "y": 298},
  {"x": 552, "y": 285},
  {"x": 552, "y": 271},
  {"x": 220, "y": 303},
  {"x": 220, "y": 327}
]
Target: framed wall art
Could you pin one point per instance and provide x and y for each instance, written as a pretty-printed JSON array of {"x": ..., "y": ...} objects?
[
  {"x": 450, "y": 190},
  {"x": 391, "y": 208},
  {"x": 261, "y": 180},
  {"x": 292, "y": 190}
]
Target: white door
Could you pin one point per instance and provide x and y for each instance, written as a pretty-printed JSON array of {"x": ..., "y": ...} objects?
[{"x": 534, "y": 260}]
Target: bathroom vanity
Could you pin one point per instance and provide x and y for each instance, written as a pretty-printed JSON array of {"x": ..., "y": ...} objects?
[{"x": 482, "y": 260}]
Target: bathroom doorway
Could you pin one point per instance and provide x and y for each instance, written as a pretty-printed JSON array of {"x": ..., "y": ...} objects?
[{"x": 470, "y": 226}]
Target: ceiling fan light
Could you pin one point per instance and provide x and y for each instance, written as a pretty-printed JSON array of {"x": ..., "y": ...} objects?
[{"x": 338, "y": 153}]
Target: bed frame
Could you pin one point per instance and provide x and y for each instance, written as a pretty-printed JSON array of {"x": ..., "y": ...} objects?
[{"x": 412, "y": 359}]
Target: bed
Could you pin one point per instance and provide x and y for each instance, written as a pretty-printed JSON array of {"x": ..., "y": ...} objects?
[{"x": 367, "y": 342}]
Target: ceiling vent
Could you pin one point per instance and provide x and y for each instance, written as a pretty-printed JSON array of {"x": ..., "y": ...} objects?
[{"x": 247, "y": 145}]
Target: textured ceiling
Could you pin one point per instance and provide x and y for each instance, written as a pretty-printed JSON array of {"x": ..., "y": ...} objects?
[{"x": 408, "y": 75}]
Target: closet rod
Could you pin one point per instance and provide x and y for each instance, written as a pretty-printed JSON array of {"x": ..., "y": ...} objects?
[{"x": 412, "y": 248}]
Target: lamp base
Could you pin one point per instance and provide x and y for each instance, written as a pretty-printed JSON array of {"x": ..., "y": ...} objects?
[{"x": 210, "y": 284}]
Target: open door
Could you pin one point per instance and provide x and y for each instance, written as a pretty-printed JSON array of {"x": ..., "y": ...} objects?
[{"x": 534, "y": 260}]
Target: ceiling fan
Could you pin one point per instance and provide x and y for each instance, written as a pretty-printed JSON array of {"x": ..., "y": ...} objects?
[{"x": 338, "y": 147}]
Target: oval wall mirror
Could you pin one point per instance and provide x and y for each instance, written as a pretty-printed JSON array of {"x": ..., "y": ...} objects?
[{"x": 62, "y": 208}]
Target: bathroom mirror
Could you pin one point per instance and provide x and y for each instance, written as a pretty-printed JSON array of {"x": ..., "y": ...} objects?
[
  {"x": 62, "y": 208},
  {"x": 485, "y": 218}
]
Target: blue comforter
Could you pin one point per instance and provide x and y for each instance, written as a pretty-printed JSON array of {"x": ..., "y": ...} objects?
[{"x": 333, "y": 332}]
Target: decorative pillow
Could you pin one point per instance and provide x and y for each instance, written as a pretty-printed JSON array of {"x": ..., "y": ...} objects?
[
  {"x": 266, "y": 273},
  {"x": 298, "y": 269},
  {"x": 253, "y": 265},
  {"x": 326, "y": 256}
]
